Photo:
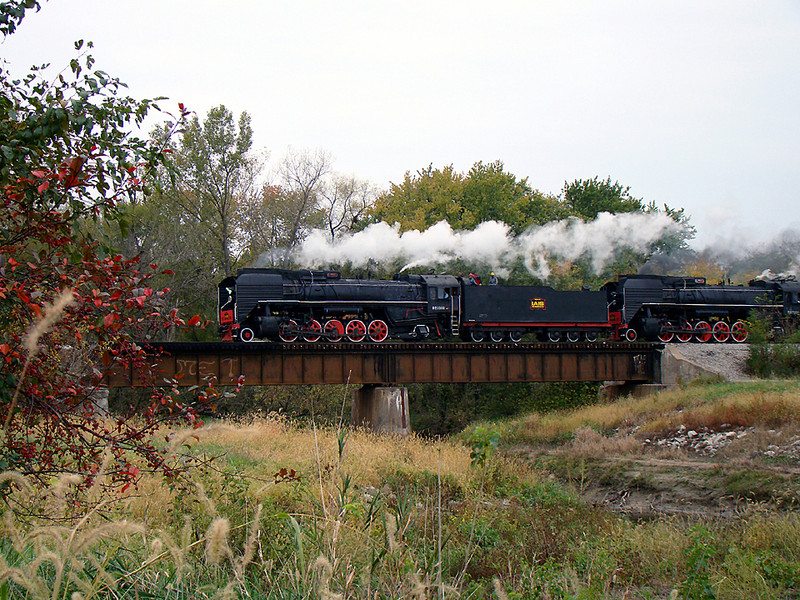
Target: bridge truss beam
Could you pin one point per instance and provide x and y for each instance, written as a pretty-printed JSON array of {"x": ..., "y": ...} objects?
[{"x": 392, "y": 364}]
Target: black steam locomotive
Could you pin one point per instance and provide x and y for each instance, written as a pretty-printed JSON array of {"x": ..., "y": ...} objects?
[{"x": 277, "y": 304}]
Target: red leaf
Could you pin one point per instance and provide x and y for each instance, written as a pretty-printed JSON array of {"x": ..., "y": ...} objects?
[
  {"x": 39, "y": 173},
  {"x": 109, "y": 319},
  {"x": 5, "y": 348},
  {"x": 194, "y": 320},
  {"x": 43, "y": 186}
]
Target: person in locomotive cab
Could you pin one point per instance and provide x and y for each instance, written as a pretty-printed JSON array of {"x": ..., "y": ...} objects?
[
  {"x": 492, "y": 279},
  {"x": 472, "y": 279}
]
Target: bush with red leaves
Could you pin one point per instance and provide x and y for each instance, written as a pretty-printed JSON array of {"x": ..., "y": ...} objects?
[{"x": 66, "y": 300}]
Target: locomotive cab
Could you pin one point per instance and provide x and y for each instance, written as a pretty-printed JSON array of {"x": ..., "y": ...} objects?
[{"x": 791, "y": 298}]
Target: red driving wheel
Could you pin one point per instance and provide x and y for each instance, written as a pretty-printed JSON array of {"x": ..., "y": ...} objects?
[
  {"x": 287, "y": 331},
  {"x": 378, "y": 330},
  {"x": 739, "y": 332},
  {"x": 722, "y": 332},
  {"x": 312, "y": 331},
  {"x": 356, "y": 330},
  {"x": 702, "y": 332},
  {"x": 685, "y": 335},
  {"x": 334, "y": 330},
  {"x": 666, "y": 334}
]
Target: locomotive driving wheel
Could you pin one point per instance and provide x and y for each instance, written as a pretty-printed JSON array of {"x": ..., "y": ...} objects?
[
  {"x": 287, "y": 331},
  {"x": 666, "y": 333},
  {"x": 378, "y": 330},
  {"x": 702, "y": 332},
  {"x": 722, "y": 332},
  {"x": 356, "y": 330},
  {"x": 686, "y": 332},
  {"x": 333, "y": 330},
  {"x": 739, "y": 332},
  {"x": 312, "y": 331}
]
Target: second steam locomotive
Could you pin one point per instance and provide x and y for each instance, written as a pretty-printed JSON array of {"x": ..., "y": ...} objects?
[{"x": 288, "y": 306}]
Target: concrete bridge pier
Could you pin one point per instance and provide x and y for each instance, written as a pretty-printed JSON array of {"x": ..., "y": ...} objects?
[{"x": 382, "y": 408}]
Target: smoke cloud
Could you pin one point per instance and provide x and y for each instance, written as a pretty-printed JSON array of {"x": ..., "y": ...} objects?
[{"x": 492, "y": 243}]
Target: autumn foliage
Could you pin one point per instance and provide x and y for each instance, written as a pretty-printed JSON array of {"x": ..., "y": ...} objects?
[{"x": 70, "y": 306}]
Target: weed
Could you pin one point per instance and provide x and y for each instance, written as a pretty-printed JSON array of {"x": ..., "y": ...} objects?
[{"x": 696, "y": 585}]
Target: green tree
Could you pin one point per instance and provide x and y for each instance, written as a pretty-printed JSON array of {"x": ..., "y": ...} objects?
[
  {"x": 587, "y": 198},
  {"x": 487, "y": 192},
  {"x": 422, "y": 200},
  {"x": 214, "y": 171}
]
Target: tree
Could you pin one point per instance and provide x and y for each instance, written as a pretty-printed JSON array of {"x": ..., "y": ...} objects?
[
  {"x": 422, "y": 200},
  {"x": 587, "y": 198},
  {"x": 492, "y": 194},
  {"x": 344, "y": 202},
  {"x": 214, "y": 171},
  {"x": 302, "y": 176},
  {"x": 278, "y": 219},
  {"x": 67, "y": 156},
  {"x": 487, "y": 192}
]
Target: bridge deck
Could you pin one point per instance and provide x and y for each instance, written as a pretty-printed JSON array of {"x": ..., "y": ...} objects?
[{"x": 394, "y": 363}]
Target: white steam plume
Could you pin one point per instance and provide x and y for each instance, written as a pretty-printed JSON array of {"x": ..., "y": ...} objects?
[{"x": 491, "y": 243}]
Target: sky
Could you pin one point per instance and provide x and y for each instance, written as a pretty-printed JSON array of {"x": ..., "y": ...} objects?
[{"x": 691, "y": 104}]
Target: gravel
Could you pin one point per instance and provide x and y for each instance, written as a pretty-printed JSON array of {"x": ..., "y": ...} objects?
[{"x": 726, "y": 360}]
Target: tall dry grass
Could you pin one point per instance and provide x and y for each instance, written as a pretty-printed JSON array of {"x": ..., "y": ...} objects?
[
  {"x": 768, "y": 403},
  {"x": 306, "y": 512}
]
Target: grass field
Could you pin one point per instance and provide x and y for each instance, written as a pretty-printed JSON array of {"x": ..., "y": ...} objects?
[{"x": 502, "y": 510}]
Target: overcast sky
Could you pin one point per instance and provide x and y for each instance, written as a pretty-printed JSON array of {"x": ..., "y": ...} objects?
[{"x": 692, "y": 104}]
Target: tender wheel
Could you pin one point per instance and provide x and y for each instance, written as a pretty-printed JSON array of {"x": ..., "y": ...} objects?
[
  {"x": 554, "y": 336},
  {"x": 287, "y": 331},
  {"x": 702, "y": 332},
  {"x": 686, "y": 333},
  {"x": 356, "y": 330},
  {"x": 247, "y": 335},
  {"x": 515, "y": 336},
  {"x": 631, "y": 335},
  {"x": 722, "y": 332},
  {"x": 334, "y": 330},
  {"x": 312, "y": 331},
  {"x": 378, "y": 330},
  {"x": 739, "y": 332},
  {"x": 497, "y": 336},
  {"x": 591, "y": 336},
  {"x": 477, "y": 336},
  {"x": 573, "y": 336}
]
